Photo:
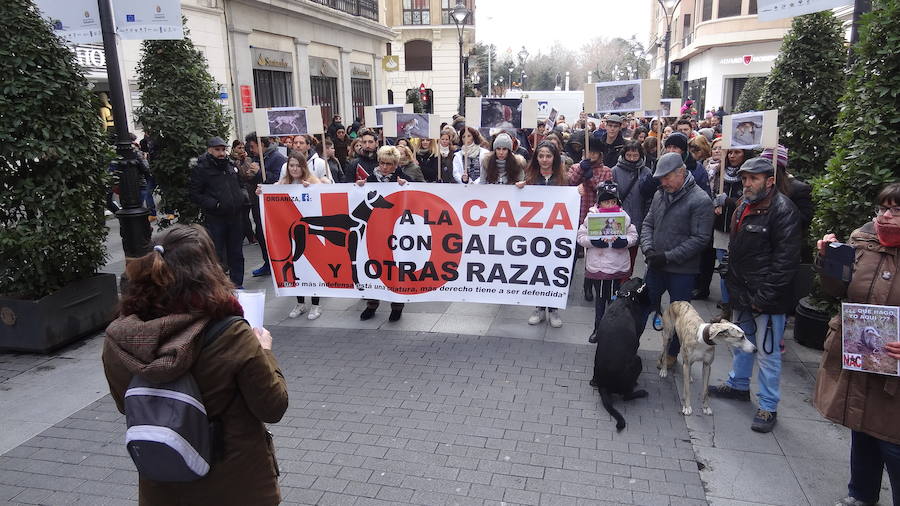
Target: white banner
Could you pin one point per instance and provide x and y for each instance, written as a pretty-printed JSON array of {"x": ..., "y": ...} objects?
[
  {"x": 422, "y": 241},
  {"x": 770, "y": 10},
  {"x": 77, "y": 21},
  {"x": 144, "y": 20}
]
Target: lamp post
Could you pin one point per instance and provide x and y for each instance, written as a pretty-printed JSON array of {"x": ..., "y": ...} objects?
[
  {"x": 523, "y": 56},
  {"x": 668, "y": 7},
  {"x": 510, "y": 77},
  {"x": 460, "y": 13}
]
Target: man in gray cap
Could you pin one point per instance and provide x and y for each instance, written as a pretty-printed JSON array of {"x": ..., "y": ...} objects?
[
  {"x": 764, "y": 255},
  {"x": 675, "y": 232},
  {"x": 215, "y": 188}
]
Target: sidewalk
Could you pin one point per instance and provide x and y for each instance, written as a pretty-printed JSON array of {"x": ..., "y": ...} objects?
[{"x": 454, "y": 404}]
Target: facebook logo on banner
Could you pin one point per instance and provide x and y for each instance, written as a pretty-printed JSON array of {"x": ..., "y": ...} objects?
[{"x": 129, "y": 18}]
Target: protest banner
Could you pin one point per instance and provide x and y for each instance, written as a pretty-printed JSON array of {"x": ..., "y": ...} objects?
[
  {"x": 865, "y": 329},
  {"x": 422, "y": 242}
]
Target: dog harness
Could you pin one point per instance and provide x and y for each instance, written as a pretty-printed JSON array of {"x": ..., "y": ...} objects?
[{"x": 703, "y": 335}]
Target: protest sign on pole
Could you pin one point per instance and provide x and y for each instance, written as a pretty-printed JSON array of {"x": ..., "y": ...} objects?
[
  {"x": 422, "y": 242},
  {"x": 374, "y": 114},
  {"x": 76, "y": 21},
  {"x": 749, "y": 130},
  {"x": 770, "y": 10}
]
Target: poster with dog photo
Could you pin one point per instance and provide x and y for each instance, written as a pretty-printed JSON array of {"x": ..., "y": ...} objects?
[
  {"x": 865, "y": 330},
  {"x": 619, "y": 96},
  {"x": 607, "y": 225},
  {"x": 287, "y": 121}
]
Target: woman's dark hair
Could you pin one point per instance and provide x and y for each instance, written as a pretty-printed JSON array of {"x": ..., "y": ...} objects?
[
  {"x": 533, "y": 171},
  {"x": 633, "y": 145},
  {"x": 514, "y": 168},
  {"x": 889, "y": 194},
  {"x": 651, "y": 143},
  {"x": 185, "y": 278},
  {"x": 476, "y": 135},
  {"x": 237, "y": 142}
]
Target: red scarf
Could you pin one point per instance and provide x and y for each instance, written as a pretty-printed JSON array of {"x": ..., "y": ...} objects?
[{"x": 888, "y": 234}]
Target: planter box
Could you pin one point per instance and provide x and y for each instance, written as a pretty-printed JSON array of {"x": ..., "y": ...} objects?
[
  {"x": 77, "y": 310},
  {"x": 810, "y": 325}
]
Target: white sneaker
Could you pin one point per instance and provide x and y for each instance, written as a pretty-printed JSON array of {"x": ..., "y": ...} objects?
[
  {"x": 537, "y": 316},
  {"x": 298, "y": 310},
  {"x": 555, "y": 320},
  {"x": 314, "y": 313}
]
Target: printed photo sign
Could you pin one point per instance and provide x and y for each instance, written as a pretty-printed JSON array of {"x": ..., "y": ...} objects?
[
  {"x": 607, "y": 225},
  {"x": 285, "y": 121},
  {"x": 622, "y": 96},
  {"x": 865, "y": 330},
  {"x": 374, "y": 114},
  {"x": 550, "y": 123},
  {"x": 668, "y": 108},
  {"x": 411, "y": 126},
  {"x": 501, "y": 113},
  {"x": 422, "y": 242},
  {"x": 750, "y": 130}
]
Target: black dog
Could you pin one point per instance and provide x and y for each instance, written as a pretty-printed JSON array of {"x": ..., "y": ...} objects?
[
  {"x": 616, "y": 363},
  {"x": 350, "y": 230}
]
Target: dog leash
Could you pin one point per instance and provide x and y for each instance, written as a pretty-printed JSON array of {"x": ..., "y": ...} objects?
[{"x": 768, "y": 344}]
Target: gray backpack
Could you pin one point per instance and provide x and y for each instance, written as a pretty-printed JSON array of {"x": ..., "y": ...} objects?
[{"x": 169, "y": 435}]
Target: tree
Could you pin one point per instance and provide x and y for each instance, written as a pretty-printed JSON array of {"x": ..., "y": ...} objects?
[
  {"x": 53, "y": 160},
  {"x": 748, "y": 100},
  {"x": 865, "y": 154},
  {"x": 805, "y": 85},
  {"x": 673, "y": 88},
  {"x": 180, "y": 106},
  {"x": 413, "y": 97}
]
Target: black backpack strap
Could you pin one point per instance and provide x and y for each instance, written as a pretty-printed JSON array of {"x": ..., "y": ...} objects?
[{"x": 215, "y": 328}]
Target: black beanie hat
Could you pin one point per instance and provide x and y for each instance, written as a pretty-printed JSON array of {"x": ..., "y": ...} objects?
[
  {"x": 677, "y": 139},
  {"x": 607, "y": 190}
]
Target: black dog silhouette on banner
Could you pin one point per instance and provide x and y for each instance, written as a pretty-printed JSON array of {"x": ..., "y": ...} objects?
[{"x": 339, "y": 229}]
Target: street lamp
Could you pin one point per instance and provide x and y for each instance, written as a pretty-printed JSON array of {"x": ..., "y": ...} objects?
[
  {"x": 668, "y": 7},
  {"x": 524, "y": 75},
  {"x": 523, "y": 55},
  {"x": 460, "y": 13}
]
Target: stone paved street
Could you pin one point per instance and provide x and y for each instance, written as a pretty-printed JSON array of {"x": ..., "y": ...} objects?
[{"x": 495, "y": 413}]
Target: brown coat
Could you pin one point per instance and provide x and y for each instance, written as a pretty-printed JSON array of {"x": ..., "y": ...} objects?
[
  {"x": 240, "y": 382},
  {"x": 863, "y": 402}
]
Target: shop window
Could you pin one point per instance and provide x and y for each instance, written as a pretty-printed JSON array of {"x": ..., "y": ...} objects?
[
  {"x": 416, "y": 12},
  {"x": 729, "y": 8},
  {"x": 696, "y": 90},
  {"x": 361, "y": 93},
  {"x": 417, "y": 54},
  {"x": 325, "y": 94},
  {"x": 273, "y": 88}
]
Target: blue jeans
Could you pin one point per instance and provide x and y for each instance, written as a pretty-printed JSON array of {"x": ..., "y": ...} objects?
[
  {"x": 868, "y": 457},
  {"x": 679, "y": 287},
  {"x": 720, "y": 255},
  {"x": 766, "y": 332},
  {"x": 147, "y": 195}
]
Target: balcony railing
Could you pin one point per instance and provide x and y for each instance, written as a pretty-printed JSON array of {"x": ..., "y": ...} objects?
[{"x": 363, "y": 8}]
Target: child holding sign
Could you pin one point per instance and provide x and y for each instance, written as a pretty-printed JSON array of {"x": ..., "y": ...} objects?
[{"x": 607, "y": 261}]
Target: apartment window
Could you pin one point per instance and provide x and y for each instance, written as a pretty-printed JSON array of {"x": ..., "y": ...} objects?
[
  {"x": 417, "y": 54},
  {"x": 753, "y": 8},
  {"x": 707, "y": 10},
  {"x": 448, "y": 5},
  {"x": 416, "y": 12},
  {"x": 729, "y": 8},
  {"x": 686, "y": 31},
  {"x": 273, "y": 88}
]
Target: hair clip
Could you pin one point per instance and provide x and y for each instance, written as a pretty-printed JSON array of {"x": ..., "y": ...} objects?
[{"x": 159, "y": 248}]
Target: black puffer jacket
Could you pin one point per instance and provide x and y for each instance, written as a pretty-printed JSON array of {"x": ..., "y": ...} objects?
[
  {"x": 733, "y": 192},
  {"x": 764, "y": 254},
  {"x": 214, "y": 186}
]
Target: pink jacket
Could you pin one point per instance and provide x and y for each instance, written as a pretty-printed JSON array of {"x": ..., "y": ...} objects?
[{"x": 606, "y": 260}]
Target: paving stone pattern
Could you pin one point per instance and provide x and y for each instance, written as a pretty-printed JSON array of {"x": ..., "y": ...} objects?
[{"x": 414, "y": 418}]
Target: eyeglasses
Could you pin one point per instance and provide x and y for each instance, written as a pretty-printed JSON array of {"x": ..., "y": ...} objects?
[{"x": 895, "y": 210}]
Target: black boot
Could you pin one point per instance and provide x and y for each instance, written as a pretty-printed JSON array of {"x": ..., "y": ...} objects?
[
  {"x": 588, "y": 290},
  {"x": 593, "y": 337}
]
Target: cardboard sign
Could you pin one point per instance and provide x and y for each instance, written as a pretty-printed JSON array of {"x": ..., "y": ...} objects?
[
  {"x": 865, "y": 330},
  {"x": 622, "y": 96},
  {"x": 607, "y": 225},
  {"x": 285, "y": 121},
  {"x": 411, "y": 126},
  {"x": 501, "y": 113},
  {"x": 668, "y": 108},
  {"x": 374, "y": 114},
  {"x": 422, "y": 241},
  {"x": 750, "y": 130},
  {"x": 550, "y": 123}
]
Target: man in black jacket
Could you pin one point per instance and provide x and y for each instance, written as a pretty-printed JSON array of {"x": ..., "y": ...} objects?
[
  {"x": 367, "y": 161},
  {"x": 764, "y": 254},
  {"x": 612, "y": 136},
  {"x": 215, "y": 188},
  {"x": 272, "y": 160}
]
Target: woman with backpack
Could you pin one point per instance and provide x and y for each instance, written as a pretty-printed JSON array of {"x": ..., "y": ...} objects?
[{"x": 175, "y": 293}]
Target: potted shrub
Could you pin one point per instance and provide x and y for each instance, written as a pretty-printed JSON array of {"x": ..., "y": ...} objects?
[
  {"x": 53, "y": 180},
  {"x": 863, "y": 161}
]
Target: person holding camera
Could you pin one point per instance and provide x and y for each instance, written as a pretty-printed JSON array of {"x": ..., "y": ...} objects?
[{"x": 867, "y": 404}]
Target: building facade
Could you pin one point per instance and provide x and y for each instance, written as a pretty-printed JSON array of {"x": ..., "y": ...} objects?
[
  {"x": 275, "y": 53},
  {"x": 427, "y": 44}
]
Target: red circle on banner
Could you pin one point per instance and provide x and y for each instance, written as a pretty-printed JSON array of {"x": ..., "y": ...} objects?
[{"x": 381, "y": 227}]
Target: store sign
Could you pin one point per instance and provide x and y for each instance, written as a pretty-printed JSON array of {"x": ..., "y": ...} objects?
[
  {"x": 390, "y": 63},
  {"x": 361, "y": 71},
  {"x": 148, "y": 20},
  {"x": 76, "y": 21},
  {"x": 770, "y": 10},
  {"x": 747, "y": 59},
  {"x": 271, "y": 60},
  {"x": 90, "y": 57},
  {"x": 246, "y": 98},
  {"x": 323, "y": 67}
]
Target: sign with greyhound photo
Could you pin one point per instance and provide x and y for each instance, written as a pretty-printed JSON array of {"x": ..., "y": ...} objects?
[
  {"x": 422, "y": 242},
  {"x": 865, "y": 330},
  {"x": 622, "y": 96},
  {"x": 285, "y": 121}
]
